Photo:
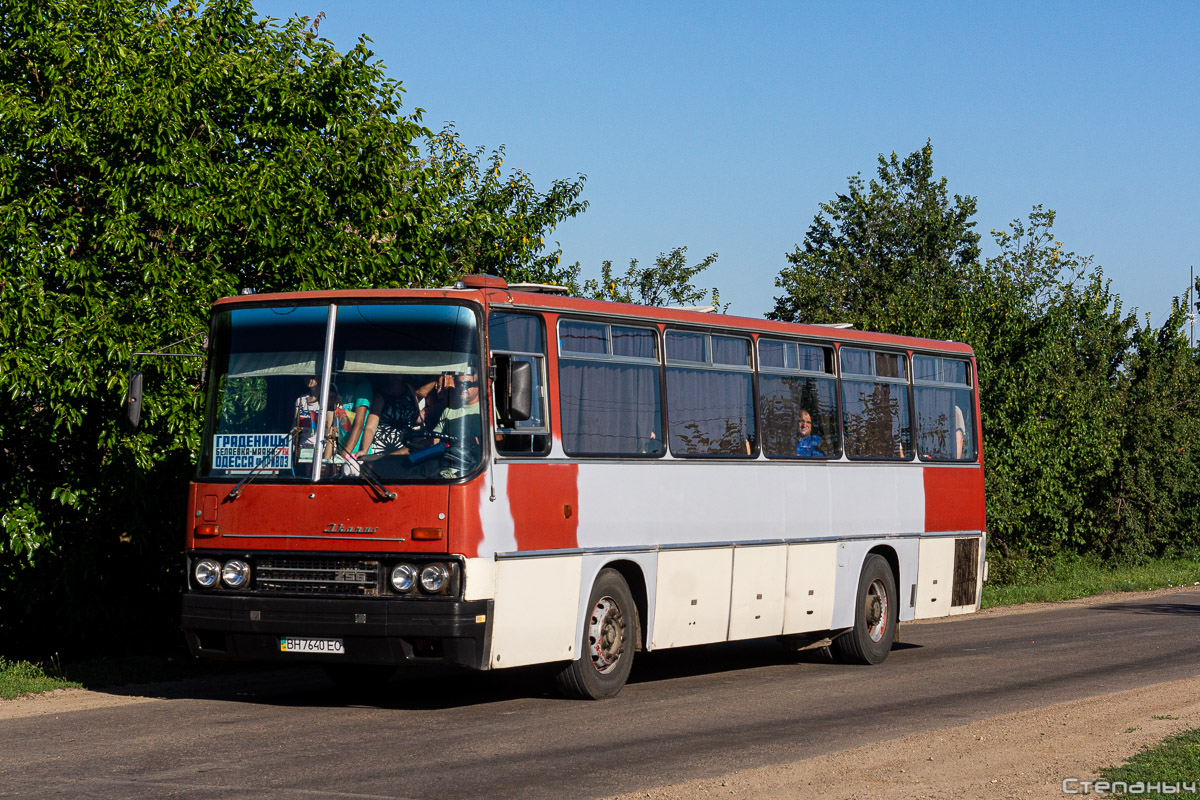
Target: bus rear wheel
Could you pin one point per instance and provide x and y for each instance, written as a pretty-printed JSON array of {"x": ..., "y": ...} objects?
[
  {"x": 875, "y": 616},
  {"x": 606, "y": 654}
]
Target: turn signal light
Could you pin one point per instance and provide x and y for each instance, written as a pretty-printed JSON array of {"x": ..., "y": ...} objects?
[
  {"x": 425, "y": 534},
  {"x": 208, "y": 529}
]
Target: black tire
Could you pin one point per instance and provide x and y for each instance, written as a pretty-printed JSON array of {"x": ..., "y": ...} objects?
[
  {"x": 606, "y": 652},
  {"x": 876, "y": 613},
  {"x": 360, "y": 679}
]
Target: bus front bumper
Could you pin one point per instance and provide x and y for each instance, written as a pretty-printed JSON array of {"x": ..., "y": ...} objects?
[{"x": 376, "y": 631}]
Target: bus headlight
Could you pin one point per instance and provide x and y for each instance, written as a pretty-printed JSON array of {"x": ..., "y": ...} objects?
[
  {"x": 235, "y": 574},
  {"x": 434, "y": 578},
  {"x": 403, "y": 577},
  {"x": 206, "y": 572}
]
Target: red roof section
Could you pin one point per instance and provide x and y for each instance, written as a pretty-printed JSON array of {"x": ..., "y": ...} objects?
[{"x": 501, "y": 296}]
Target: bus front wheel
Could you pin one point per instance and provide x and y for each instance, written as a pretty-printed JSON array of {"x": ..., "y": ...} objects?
[
  {"x": 875, "y": 616},
  {"x": 608, "y": 642}
]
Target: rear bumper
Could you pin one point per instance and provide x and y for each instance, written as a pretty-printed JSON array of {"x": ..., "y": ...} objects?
[{"x": 249, "y": 628}]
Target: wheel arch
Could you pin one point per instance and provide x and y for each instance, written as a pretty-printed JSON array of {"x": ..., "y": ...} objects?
[
  {"x": 891, "y": 556},
  {"x": 862, "y": 643},
  {"x": 635, "y": 579}
]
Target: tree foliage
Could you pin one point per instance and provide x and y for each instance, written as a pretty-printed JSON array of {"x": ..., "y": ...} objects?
[
  {"x": 668, "y": 281},
  {"x": 877, "y": 252},
  {"x": 491, "y": 223},
  {"x": 1153, "y": 497},
  {"x": 154, "y": 157},
  {"x": 1087, "y": 414}
]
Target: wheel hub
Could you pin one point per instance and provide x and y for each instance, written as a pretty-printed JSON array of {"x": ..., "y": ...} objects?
[
  {"x": 875, "y": 610},
  {"x": 606, "y": 634}
]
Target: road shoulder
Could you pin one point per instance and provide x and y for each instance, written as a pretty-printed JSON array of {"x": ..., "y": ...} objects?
[
  {"x": 64, "y": 701},
  {"x": 1028, "y": 753}
]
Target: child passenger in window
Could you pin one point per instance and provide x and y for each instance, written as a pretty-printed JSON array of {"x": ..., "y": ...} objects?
[{"x": 807, "y": 441}]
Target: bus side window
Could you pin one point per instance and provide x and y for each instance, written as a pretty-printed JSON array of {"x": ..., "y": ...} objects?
[
  {"x": 796, "y": 385},
  {"x": 876, "y": 417},
  {"x": 520, "y": 337},
  {"x": 710, "y": 395},
  {"x": 609, "y": 390},
  {"x": 945, "y": 409}
]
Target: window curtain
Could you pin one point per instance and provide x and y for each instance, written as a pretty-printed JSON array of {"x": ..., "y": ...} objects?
[
  {"x": 940, "y": 413},
  {"x": 610, "y": 409},
  {"x": 876, "y": 419},
  {"x": 710, "y": 412}
]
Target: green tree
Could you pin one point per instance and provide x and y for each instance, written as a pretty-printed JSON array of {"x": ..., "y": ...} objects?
[
  {"x": 894, "y": 254},
  {"x": 154, "y": 157},
  {"x": 900, "y": 255},
  {"x": 488, "y": 222},
  {"x": 668, "y": 281},
  {"x": 1153, "y": 504}
]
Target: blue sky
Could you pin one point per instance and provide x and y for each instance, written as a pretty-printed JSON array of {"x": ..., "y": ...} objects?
[{"x": 722, "y": 127}]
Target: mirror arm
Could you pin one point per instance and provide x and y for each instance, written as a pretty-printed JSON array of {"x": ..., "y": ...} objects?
[{"x": 133, "y": 391}]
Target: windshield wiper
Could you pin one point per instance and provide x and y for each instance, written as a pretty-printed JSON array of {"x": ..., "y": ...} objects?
[
  {"x": 237, "y": 490},
  {"x": 364, "y": 469},
  {"x": 368, "y": 474}
]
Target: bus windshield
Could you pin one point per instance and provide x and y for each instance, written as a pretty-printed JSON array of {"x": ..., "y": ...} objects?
[{"x": 336, "y": 393}]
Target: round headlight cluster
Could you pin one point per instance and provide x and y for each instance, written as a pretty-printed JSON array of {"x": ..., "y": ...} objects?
[
  {"x": 430, "y": 578},
  {"x": 234, "y": 574},
  {"x": 404, "y": 576},
  {"x": 207, "y": 571},
  {"x": 434, "y": 578}
]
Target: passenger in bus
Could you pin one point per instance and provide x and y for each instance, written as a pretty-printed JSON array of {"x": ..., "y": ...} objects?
[
  {"x": 807, "y": 442},
  {"x": 337, "y": 421},
  {"x": 432, "y": 393},
  {"x": 304, "y": 420},
  {"x": 960, "y": 432},
  {"x": 402, "y": 413},
  {"x": 941, "y": 441},
  {"x": 348, "y": 419}
]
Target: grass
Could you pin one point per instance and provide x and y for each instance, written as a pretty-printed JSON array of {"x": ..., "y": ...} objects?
[
  {"x": 18, "y": 678},
  {"x": 1173, "y": 761},
  {"x": 1067, "y": 577}
]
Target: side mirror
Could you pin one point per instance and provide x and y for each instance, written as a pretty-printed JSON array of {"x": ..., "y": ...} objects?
[
  {"x": 514, "y": 389},
  {"x": 133, "y": 400}
]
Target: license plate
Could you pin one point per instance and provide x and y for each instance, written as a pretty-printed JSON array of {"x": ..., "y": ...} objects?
[{"x": 325, "y": 646}]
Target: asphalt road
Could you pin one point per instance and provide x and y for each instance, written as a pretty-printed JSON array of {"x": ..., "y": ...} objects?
[{"x": 690, "y": 713}]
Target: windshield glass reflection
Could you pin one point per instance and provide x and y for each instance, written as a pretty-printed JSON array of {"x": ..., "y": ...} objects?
[{"x": 401, "y": 402}]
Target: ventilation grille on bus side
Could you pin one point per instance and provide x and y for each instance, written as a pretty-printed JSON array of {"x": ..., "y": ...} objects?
[
  {"x": 318, "y": 575},
  {"x": 966, "y": 572}
]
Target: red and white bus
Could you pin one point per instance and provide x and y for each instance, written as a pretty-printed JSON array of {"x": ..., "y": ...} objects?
[{"x": 495, "y": 476}]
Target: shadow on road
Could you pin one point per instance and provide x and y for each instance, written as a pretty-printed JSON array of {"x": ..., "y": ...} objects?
[
  {"x": 438, "y": 688},
  {"x": 1179, "y": 609},
  {"x": 729, "y": 657}
]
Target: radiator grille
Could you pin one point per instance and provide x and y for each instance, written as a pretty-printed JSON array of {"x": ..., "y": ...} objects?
[{"x": 318, "y": 575}]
